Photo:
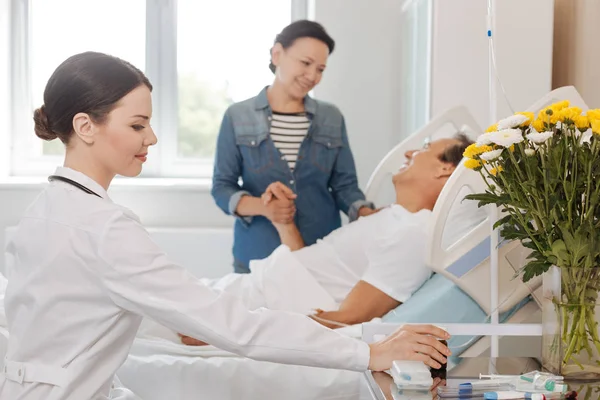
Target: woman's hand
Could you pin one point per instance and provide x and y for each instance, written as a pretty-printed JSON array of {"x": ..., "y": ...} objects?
[
  {"x": 278, "y": 202},
  {"x": 366, "y": 211},
  {"x": 413, "y": 343}
]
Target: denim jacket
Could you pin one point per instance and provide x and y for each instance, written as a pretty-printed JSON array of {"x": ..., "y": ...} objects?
[{"x": 324, "y": 178}]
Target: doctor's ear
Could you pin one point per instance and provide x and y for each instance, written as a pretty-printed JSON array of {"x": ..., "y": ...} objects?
[{"x": 84, "y": 127}]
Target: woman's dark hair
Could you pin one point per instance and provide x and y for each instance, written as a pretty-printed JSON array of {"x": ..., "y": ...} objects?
[
  {"x": 89, "y": 83},
  {"x": 300, "y": 29},
  {"x": 454, "y": 154}
]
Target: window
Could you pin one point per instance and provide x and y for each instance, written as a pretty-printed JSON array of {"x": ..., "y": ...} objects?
[
  {"x": 219, "y": 62},
  {"x": 200, "y": 55},
  {"x": 54, "y": 21},
  {"x": 416, "y": 23},
  {"x": 58, "y": 29}
]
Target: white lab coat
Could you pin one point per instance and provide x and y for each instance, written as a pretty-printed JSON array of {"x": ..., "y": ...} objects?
[{"x": 82, "y": 272}]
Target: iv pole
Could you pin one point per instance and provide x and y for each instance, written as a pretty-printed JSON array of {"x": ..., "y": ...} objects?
[{"x": 493, "y": 208}]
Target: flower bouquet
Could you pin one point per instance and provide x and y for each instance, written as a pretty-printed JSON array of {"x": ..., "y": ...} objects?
[{"x": 543, "y": 173}]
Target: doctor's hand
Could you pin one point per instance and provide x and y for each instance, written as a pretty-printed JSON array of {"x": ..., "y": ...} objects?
[
  {"x": 412, "y": 343},
  {"x": 190, "y": 341},
  {"x": 278, "y": 202}
]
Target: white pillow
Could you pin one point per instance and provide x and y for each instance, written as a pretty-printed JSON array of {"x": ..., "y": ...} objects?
[{"x": 464, "y": 215}]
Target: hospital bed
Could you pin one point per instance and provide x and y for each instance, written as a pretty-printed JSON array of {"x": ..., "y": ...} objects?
[
  {"x": 459, "y": 256},
  {"x": 465, "y": 260},
  {"x": 158, "y": 369}
]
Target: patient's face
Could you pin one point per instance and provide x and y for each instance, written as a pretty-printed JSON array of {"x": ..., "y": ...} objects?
[{"x": 424, "y": 165}]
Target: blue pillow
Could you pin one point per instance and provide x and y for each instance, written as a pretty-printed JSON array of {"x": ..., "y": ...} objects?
[{"x": 439, "y": 300}]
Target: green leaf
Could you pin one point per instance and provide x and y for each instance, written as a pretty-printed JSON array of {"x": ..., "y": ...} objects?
[
  {"x": 502, "y": 221},
  {"x": 535, "y": 268},
  {"x": 577, "y": 244},
  {"x": 558, "y": 249},
  {"x": 509, "y": 233},
  {"x": 529, "y": 244},
  {"x": 484, "y": 198}
]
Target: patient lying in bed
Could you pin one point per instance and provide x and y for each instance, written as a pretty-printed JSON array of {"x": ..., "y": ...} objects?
[{"x": 362, "y": 270}]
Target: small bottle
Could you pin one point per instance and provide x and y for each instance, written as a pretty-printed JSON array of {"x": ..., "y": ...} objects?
[
  {"x": 540, "y": 381},
  {"x": 411, "y": 374}
]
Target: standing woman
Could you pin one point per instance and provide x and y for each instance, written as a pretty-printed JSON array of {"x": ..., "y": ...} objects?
[{"x": 284, "y": 136}]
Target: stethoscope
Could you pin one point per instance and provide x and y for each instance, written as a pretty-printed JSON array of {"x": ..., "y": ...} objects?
[{"x": 73, "y": 183}]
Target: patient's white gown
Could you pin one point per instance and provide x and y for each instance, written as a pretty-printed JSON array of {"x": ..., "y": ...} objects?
[{"x": 386, "y": 250}]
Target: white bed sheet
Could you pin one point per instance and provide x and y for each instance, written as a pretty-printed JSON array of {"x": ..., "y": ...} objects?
[
  {"x": 190, "y": 378},
  {"x": 159, "y": 367}
]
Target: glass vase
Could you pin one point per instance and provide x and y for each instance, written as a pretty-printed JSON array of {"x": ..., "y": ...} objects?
[{"x": 570, "y": 310}]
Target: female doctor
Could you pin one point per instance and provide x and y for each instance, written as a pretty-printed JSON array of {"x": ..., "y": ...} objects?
[{"x": 84, "y": 271}]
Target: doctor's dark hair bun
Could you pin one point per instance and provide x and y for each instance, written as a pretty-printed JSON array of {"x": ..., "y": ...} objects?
[
  {"x": 42, "y": 127},
  {"x": 91, "y": 83},
  {"x": 300, "y": 29}
]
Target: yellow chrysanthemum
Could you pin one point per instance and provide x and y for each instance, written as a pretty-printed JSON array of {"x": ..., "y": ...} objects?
[
  {"x": 492, "y": 128},
  {"x": 512, "y": 148},
  {"x": 496, "y": 170},
  {"x": 595, "y": 124},
  {"x": 549, "y": 115},
  {"x": 582, "y": 123},
  {"x": 569, "y": 114},
  {"x": 473, "y": 164},
  {"x": 473, "y": 150},
  {"x": 593, "y": 114},
  {"x": 538, "y": 125},
  {"x": 530, "y": 116},
  {"x": 560, "y": 105}
]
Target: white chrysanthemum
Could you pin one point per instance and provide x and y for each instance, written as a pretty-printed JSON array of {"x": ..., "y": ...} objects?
[
  {"x": 490, "y": 155},
  {"x": 540, "y": 137},
  {"x": 586, "y": 137},
  {"x": 483, "y": 140},
  {"x": 512, "y": 122},
  {"x": 506, "y": 137},
  {"x": 529, "y": 152}
]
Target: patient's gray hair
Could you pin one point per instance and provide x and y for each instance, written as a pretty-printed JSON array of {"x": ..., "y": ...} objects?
[{"x": 454, "y": 153}]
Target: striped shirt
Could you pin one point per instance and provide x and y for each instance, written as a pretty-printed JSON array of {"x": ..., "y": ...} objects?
[{"x": 287, "y": 132}]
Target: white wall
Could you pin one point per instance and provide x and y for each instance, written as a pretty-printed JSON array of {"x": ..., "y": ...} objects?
[
  {"x": 576, "y": 55},
  {"x": 523, "y": 41},
  {"x": 362, "y": 76}
]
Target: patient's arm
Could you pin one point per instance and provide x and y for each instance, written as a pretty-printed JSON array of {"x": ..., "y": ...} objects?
[
  {"x": 290, "y": 236},
  {"x": 363, "y": 303}
]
